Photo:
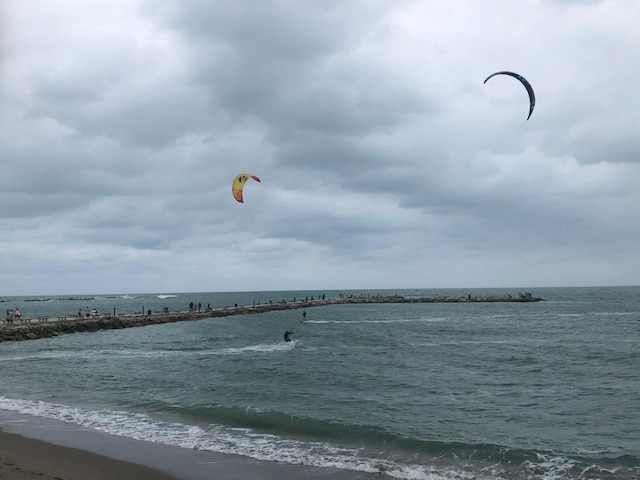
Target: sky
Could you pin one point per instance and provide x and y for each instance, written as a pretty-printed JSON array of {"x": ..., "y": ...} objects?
[{"x": 385, "y": 161}]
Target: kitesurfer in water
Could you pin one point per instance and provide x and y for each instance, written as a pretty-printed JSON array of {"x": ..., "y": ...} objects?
[
  {"x": 304, "y": 316},
  {"x": 286, "y": 335}
]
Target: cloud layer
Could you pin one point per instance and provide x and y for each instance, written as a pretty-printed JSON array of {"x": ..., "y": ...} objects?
[{"x": 385, "y": 161}]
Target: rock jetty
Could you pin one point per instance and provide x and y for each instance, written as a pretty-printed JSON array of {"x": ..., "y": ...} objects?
[{"x": 44, "y": 327}]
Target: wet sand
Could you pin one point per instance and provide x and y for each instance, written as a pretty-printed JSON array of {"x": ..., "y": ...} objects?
[{"x": 23, "y": 458}]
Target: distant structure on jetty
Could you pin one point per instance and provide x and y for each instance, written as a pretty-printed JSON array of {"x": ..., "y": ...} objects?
[{"x": 44, "y": 327}]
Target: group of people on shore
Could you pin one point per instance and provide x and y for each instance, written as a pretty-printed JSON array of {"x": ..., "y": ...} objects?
[
  {"x": 13, "y": 314},
  {"x": 88, "y": 312},
  {"x": 197, "y": 307}
]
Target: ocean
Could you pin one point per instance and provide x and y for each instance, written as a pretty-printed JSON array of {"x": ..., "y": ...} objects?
[{"x": 438, "y": 391}]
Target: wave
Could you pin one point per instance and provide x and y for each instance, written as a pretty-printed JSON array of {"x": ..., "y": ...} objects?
[
  {"x": 271, "y": 347},
  {"x": 166, "y": 296},
  {"x": 129, "y": 353},
  {"x": 74, "y": 299},
  {"x": 128, "y": 296},
  {"x": 406, "y": 320},
  {"x": 266, "y": 435}
]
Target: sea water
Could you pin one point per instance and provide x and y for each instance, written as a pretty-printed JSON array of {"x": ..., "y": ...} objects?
[{"x": 547, "y": 390}]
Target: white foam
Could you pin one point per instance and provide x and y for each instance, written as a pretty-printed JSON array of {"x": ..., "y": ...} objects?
[
  {"x": 48, "y": 355},
  {"x": 166, "y": 296},
  {"x": 270, "y": 347},
  {"x": 550, "y": 468},
  {"x": 215, "y": 438},
  {"x": 406, "y": 320}
]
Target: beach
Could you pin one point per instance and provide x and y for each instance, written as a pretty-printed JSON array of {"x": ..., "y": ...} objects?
[
  {"x": 46, "y": 449},
  {"x": 23, "y": 458}
]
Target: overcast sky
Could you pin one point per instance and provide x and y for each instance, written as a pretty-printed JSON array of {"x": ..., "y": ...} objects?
[{"x": 385, "y": 160}]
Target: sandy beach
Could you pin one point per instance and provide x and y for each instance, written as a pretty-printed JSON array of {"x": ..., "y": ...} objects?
[
  {"x": 33, "y": 448},
  {"x": 23, "y": 458}
]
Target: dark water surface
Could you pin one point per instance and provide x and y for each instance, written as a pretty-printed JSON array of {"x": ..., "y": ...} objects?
[{"x": 547, "y": 390}]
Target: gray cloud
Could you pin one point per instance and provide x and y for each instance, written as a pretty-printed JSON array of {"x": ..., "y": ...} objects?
[{"x": 384, "y": 159}]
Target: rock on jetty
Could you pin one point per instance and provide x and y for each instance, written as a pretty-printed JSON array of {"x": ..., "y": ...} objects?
[{"x": 42, "y": 328}]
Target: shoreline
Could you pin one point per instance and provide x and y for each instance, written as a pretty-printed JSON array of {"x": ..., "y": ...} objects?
[
  {"x": 40, "y": 448},
  {"x": 45, "y": 327},
  {"x": 23, "y": 458}
]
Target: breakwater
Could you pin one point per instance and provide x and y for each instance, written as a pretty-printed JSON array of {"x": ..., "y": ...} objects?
[{"x": 44, "y": 327}]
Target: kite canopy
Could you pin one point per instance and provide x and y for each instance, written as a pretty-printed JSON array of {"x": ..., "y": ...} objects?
[
  {"x": 238, "y": 184},
  {"x": 527, "y": 85}
]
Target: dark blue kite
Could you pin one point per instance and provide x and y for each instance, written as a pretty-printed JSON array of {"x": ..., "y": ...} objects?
[{"x": 527, "y": 85}]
